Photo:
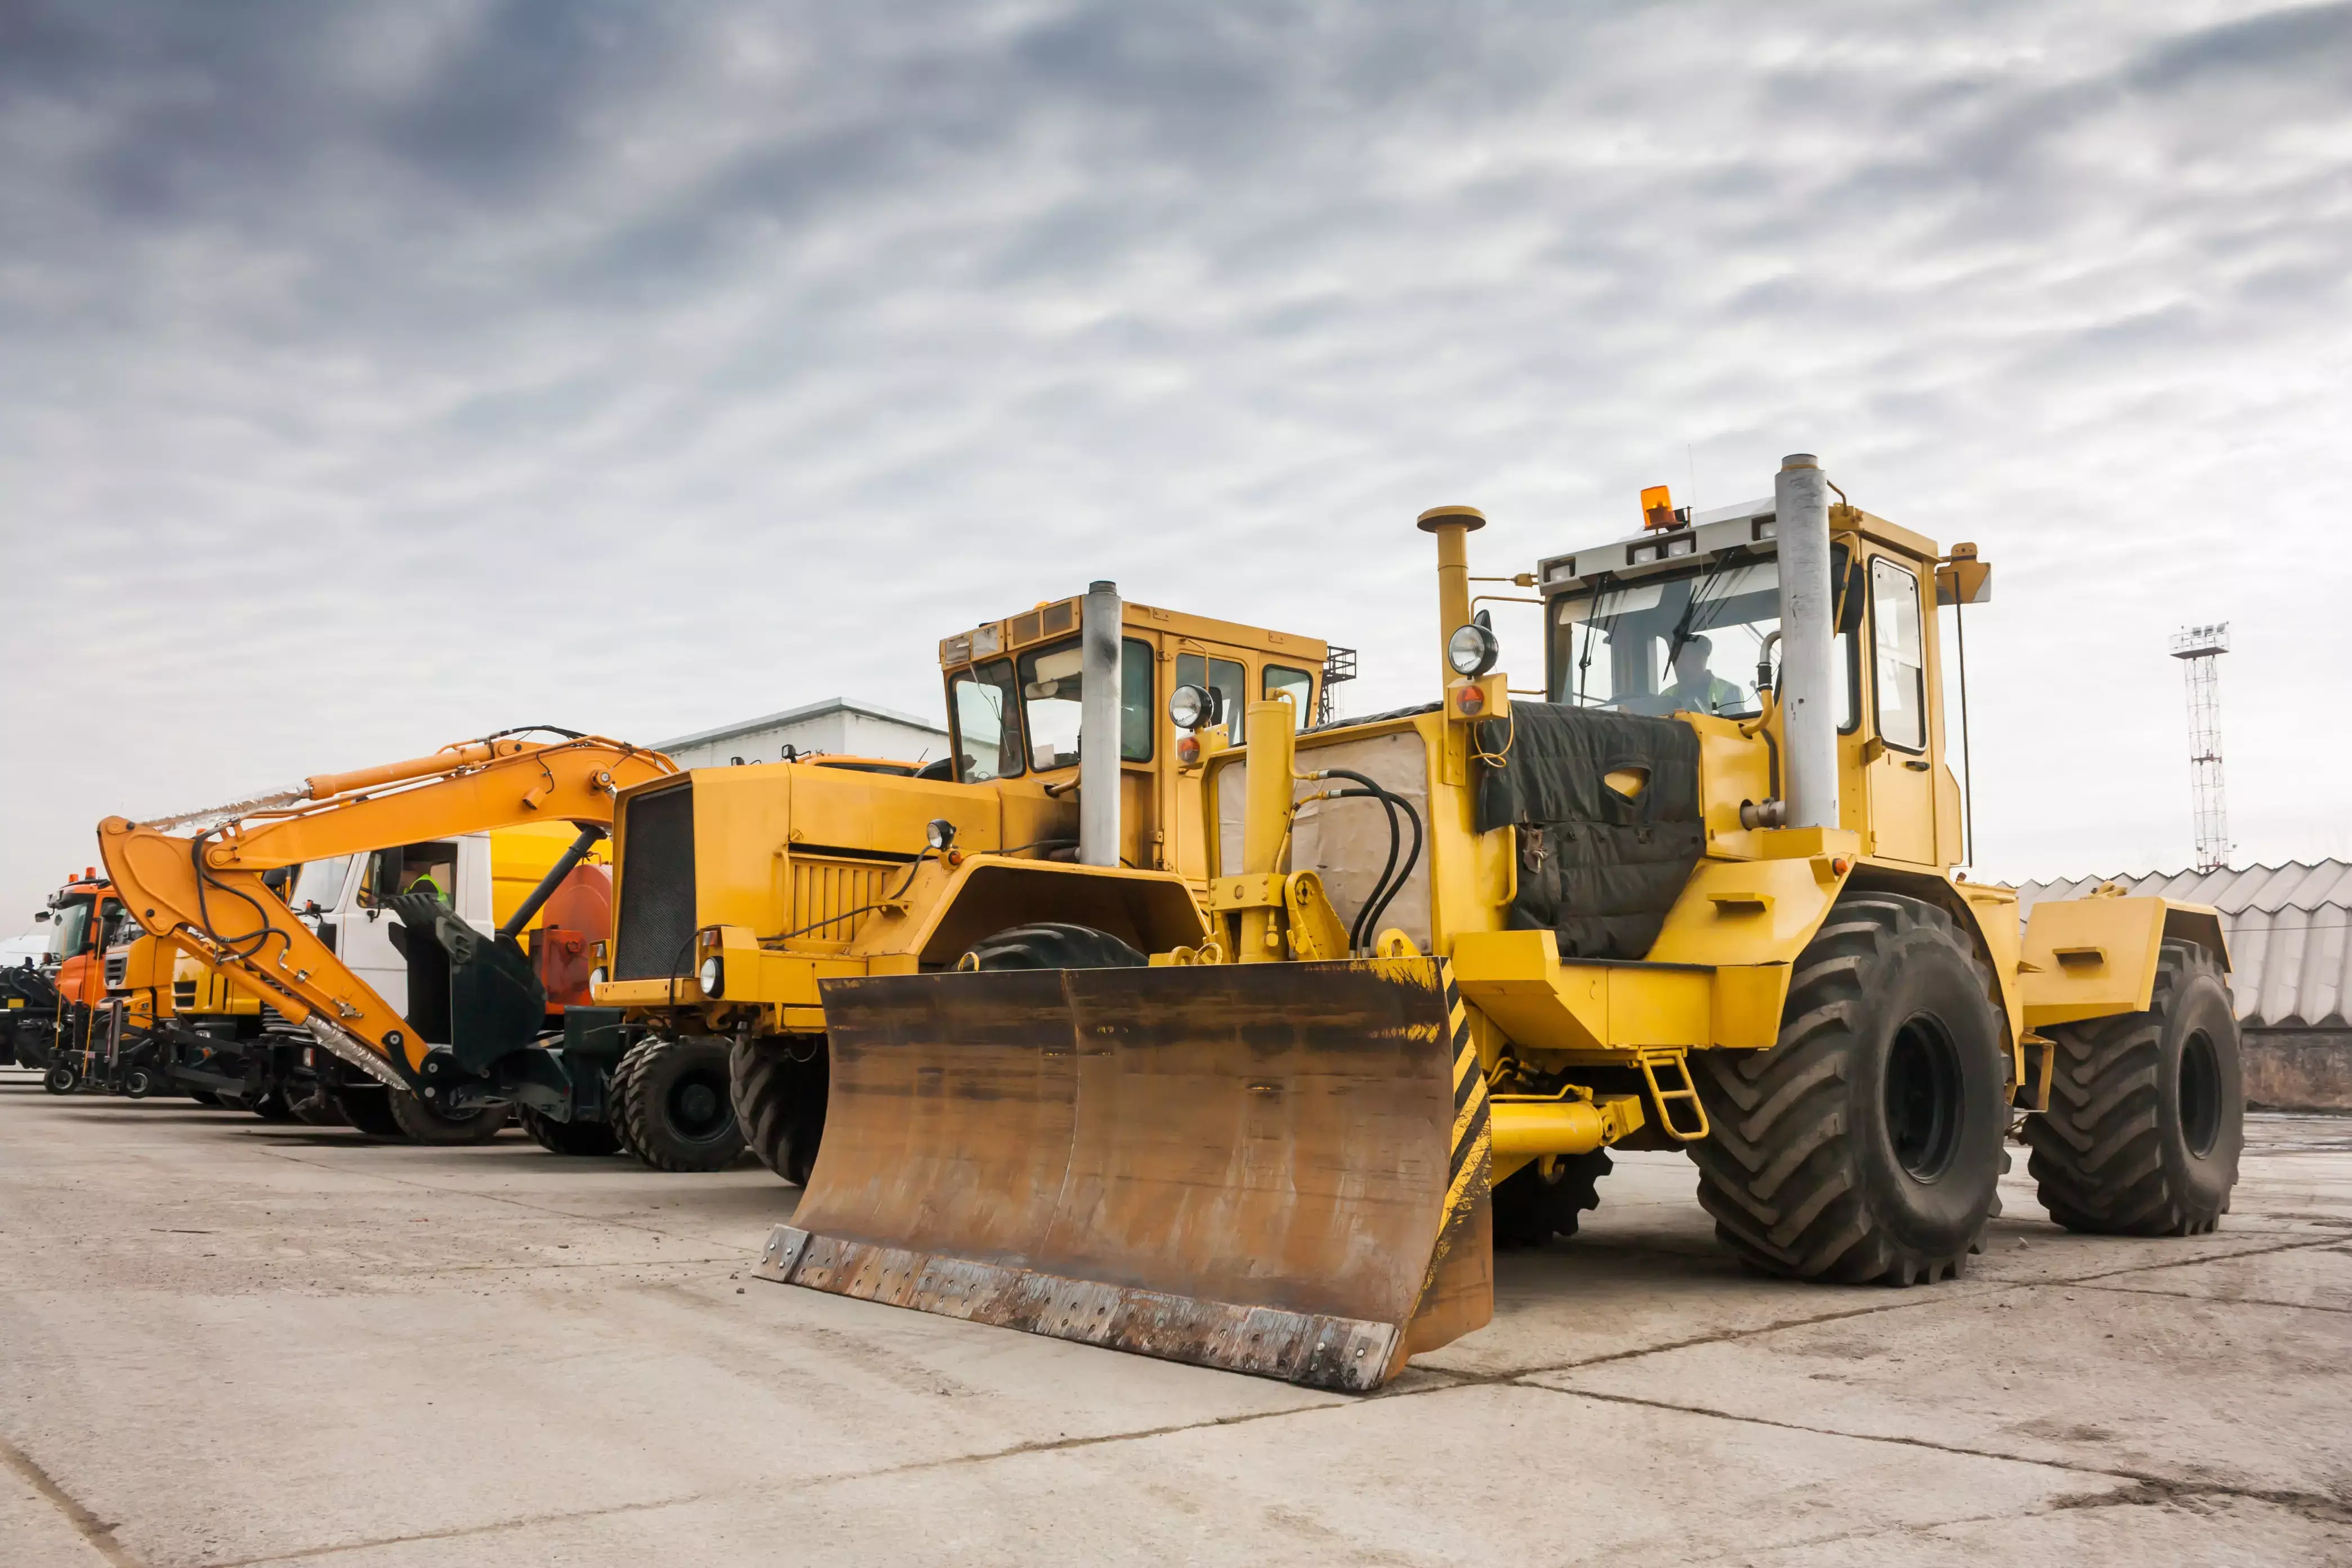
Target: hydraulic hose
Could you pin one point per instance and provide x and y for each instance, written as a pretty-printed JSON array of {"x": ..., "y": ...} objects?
[{"x": 1392, "y": 879}]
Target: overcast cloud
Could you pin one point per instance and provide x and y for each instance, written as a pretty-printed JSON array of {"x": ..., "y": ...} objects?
[{"x": 376, "y": 376}]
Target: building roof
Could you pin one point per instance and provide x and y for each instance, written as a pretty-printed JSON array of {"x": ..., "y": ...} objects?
[
  {"x": 800, "y": 714},
  {"x": 2289, "y": 927}
]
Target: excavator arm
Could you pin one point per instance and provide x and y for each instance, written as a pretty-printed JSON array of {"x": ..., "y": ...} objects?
[{"x": 202, "y": 884}]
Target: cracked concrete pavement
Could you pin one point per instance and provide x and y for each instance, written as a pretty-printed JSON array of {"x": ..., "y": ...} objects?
[{"x": 224, "y": 1342}]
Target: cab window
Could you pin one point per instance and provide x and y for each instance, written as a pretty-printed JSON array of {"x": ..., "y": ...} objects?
[
  {"x": 1052, "y": 701},
  {"x": 71, "y": 930},
  {"x": 1229, "y": 678},
  {"x": 1296, "y": 685},
  {"x": 321, "y": 884},
  {"x": 981, "y": 706},
  {"x": 1898, "y": 676},
  {"x": 429, "y": 867}
]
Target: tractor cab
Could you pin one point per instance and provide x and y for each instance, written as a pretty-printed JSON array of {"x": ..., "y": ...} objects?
[
  {"x": 1016, "y": 689},
  {"x": 1684, "y": 617}
]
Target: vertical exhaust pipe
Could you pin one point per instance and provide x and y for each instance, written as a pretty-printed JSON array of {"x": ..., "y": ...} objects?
[
  {"x": 1801, "y": 504},
  {"x": 1452, "y": 526},
  {"x": 1099, "y": 689}
]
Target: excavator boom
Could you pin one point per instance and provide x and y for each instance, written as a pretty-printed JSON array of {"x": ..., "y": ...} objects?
[{"x": 204, "y": 890}]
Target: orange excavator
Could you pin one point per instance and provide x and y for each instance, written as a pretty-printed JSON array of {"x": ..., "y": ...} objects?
[{"x": 480, "y": 1027}]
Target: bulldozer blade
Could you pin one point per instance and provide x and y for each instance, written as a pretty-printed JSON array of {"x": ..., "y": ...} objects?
[{"x": 1273, "y": 1168}]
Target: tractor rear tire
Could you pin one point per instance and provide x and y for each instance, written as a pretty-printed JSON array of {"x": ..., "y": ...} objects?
[
  {"x": 2148, "y": 1110},
  {"x": 1050, "y": 945},
  {"x": 778, "y": 1090},
  {"x": 675, "y": 1097},
  {"x": 567, "y": 1137},
  {"x": 1531, "y": 1207},
  {"x": 425, "y": 1123},
  {"x": 368, "y": 1108},
  {"x": 1865, "y": 1145}
]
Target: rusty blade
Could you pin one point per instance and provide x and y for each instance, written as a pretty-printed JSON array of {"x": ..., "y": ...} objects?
[{"x": 1274, "y": 1168}]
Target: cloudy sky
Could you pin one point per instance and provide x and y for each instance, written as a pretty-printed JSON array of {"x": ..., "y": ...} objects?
[{"x": 375, "y": 376}]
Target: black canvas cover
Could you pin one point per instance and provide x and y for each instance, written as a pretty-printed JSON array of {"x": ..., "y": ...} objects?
[{"x": 1598, "y": 868}]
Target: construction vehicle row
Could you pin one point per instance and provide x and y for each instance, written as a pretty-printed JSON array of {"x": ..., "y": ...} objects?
[{"x": 1169, "y": 1014}]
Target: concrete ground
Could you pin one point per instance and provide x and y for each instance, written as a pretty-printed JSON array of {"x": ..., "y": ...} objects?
[{"x": 224, "y": 1342}]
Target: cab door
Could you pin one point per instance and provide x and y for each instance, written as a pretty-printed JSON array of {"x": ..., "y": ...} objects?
[{"x": 1899, "y": 773}]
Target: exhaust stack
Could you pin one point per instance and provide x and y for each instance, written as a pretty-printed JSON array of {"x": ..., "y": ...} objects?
[
  {"x": 1800, "y": 503},
  {"x": 1098, "y": 726}
]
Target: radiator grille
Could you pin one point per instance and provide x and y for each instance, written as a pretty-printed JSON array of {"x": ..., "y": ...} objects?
[
  {"x": 824, "y": 890},
  {"x": 654, "y": 923},
  {"x": 183, "y": 994},
  {"x": 117, "y": 965}
]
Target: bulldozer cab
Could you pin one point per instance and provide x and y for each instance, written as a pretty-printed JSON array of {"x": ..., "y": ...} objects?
[
  {"x": 1015, "y": 693},
  {"x": 1685, "y": 618}
]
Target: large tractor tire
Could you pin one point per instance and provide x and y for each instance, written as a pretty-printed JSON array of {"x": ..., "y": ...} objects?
[
  {"x": 676, "y": 1099},
  {"x": 1050, "y": 945},
  {"x": 778, "y": 1089},
  {"x": 425, "y": 1123},
  {"x": 559, "y": 1138},
  {"x": 1531, "y": 1207},
  {"x": 368, "y": 1108},
  {"x": 1865, "y": 1144},
  {"x": 2148, "y": 1110}
]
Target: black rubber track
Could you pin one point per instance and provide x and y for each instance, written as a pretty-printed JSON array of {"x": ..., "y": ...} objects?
[
  {"x": 654, "y": 1087},
  {"x": 1050, "y": 945},
  {"x": 778, "y": 1090},
  {"x": 1801, "y": 1170},
  {"x": 1530, "y": 1210},
  {"x": 2114, "y": 1156},
  {"x": 568, "y": 1138},
  {"x": 425, "y": 1125}
]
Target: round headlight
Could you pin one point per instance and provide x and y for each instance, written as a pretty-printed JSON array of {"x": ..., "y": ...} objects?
[
  {"x": 1190, "y": 707},
  {"x": 1473, "y": 650},
  {"x": 711, "y": 976},
  {"x": 939, "y": 832},
  {"x": 596, "y": 977}
]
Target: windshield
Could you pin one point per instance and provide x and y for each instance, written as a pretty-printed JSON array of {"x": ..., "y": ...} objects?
[
  {"x": 320, "y": 883},
  {"x": 979, "y": 701},
  {"x": 1053, "y": 700},
  {"x": 72, "y": 927},
  {"x": 1680, "y": 644}
]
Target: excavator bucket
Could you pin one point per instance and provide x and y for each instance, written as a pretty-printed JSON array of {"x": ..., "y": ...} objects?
[{"x": 1272, "y": 1168}]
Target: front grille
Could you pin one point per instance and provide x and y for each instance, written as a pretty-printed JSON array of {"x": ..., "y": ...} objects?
[
  {"x": 654, "y": 925},
  {"x": 823, "y": 889}
]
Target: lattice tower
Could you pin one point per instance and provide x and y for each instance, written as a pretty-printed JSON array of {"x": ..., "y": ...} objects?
[{"x": 2199, "y": 649}]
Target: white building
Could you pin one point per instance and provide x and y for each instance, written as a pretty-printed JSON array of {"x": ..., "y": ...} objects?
[{"x": 836, "y": 726}]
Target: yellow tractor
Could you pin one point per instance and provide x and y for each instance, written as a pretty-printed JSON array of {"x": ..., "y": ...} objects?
[
  {"x": 739, "y": 891},
  {"x": 1701, "y": 896}
]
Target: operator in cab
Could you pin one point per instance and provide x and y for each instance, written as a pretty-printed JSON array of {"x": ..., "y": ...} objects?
[{"x": 1695, "y": 688}]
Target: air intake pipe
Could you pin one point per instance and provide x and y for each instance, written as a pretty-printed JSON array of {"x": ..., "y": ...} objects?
[
  {"x": 1801, "y": 504},
  {"x": 1098, "y": 726}
]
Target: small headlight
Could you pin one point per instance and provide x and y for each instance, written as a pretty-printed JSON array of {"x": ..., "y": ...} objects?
[
  {"x": 712, "y": 976},
  {"x": 939, "y": 832},
  {"x": 596, "y": 977},
  {"x": 1473, "y": 650},
  {"x": 1190, "y": 707}
]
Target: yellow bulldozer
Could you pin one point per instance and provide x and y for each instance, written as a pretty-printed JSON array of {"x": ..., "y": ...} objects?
[
  {"x": 1700, "y": 896},
  {"x": 739, "y": 890}
]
